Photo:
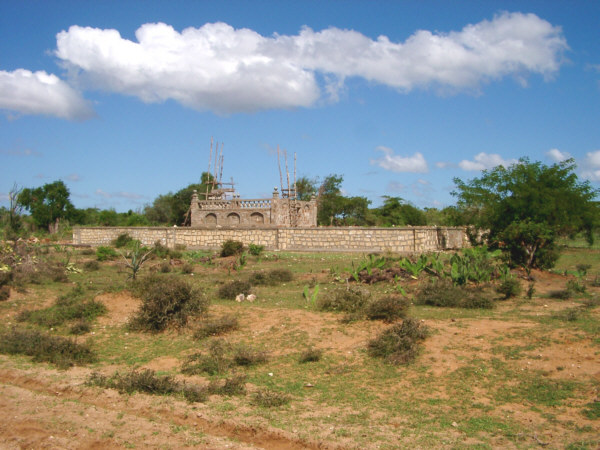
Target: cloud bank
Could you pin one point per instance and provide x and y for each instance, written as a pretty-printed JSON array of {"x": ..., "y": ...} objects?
[
  {"x": 29, "y": 92},
  {"x": 557, "y": 156},
  {"x": 484, "y": 161},
  {"x": 592, "y": 166},
  {"x": 396, "y": 163},
  {"x": 219, "y": 68}
]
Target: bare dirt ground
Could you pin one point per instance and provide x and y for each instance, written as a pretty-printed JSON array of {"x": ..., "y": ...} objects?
[{"x": 51, "y": 409}]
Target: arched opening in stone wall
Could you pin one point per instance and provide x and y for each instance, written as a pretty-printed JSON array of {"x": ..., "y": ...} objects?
[
  {"x": 257, "y": 218},
  {"x": 210, "y": 220},
  {"x": 233, "y": 219}
]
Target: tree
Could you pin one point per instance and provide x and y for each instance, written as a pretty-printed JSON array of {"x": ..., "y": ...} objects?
[
  {"x": 48, "y": 204},
  {"x": 306, "y": 188},
  {"x": 395, "y": 211},
  {"x": 524, "y": 208}
]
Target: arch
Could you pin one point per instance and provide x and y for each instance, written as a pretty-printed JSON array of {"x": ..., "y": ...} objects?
[
  {"x": 233, "y": 219},
  {"x": 210, "y": 219},
  {"x": 257, "y": 218}
]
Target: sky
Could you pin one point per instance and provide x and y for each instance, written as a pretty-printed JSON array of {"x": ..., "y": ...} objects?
[{"x": 120, "y": 99}]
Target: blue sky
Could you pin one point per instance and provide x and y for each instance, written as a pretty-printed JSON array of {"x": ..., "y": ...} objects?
[{"x": 120, "y": 99}]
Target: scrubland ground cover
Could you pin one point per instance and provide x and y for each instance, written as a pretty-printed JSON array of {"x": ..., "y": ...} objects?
[{"x": 320, "y": 351}]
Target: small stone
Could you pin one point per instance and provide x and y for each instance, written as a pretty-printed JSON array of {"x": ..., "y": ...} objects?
[{"x": 454, "y": 424}]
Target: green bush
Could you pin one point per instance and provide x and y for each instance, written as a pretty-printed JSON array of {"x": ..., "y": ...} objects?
[
  {"x": 231, "y": 248},
  {"x": 91, "y": 265},
  {"x": 187, "y": 268},
  {"x": 216, "y": 361},
  {"x": 160, "y": 250},
  {"x": 244, "y": 355},
  {"x": 80, "y": 327},
  {"x": 105, "y": 253},
  {"x": 510, "y": 287},
  {"x": 231, "y": 290},
  {"x": 400, "y": 343},
  {"x": 349, "y": 300},
  {"x": 165, "y": 267},
  {"x": 5, "y": 277},
  {"x": 217, "y": 326},
  {"x": 143, "y": 380},
  {"x": 255, "y": 250},
  {"x": 167, "y": 300},
  {"x": 389, "y": 308},
  {"x": 56, "y": 350},
  {"x": 122, "y": 240},
  {"x": 280, "y": 276},
  {"x": 443, "y": 293}
]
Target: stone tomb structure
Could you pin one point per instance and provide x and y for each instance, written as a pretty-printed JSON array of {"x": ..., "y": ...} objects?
[{"x": 218, "y": 211}]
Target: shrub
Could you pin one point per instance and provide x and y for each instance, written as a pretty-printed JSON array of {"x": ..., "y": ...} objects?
[
  {"x": 389, "y": 308},
  {"x": 144, "y": 380},
  {"x": 70, "y": 306},
  {"x": 561, "y": 294},
  {"x": 161, "y": 251},
  {"x": 311, "y": 354},
  {"x": 57, "y": 350},
  {"x": 187, "y": 268},
  {"x": 212, "y": 363},
  {"x": 258, "y": 279},
  {"x": 280, "y": 276},
  {"x": 4, "y": 293},
  {"x": 510, "y": 287},
  {"x": 231, "y": 248},
  {"x": 5, "y": 277},
  {"x": 105, "y": 253},
  {"x": 218, "y": 326},
  {"x": 88, "y": 251},
  {"x": 122, "y": 240},
  {"x": 477, "y": 300},
  {"x": 576, "y": 286},
  {"x": 166, "y": 300},
  {"x": 80, "y": 327},
  {"x": 347, "y": 300},
  {"x": 244, "y": 355},
  {"x": 194, "y": 393},
  {"x": 232, "y": 289},
  {"x": 255, "y": 250},
  {"x": 440, "y": 293},
  {"x": 165, "y": 267},
  {"x": 400, "y": 343},
  {"x": 267, "y": 398},
  {"x": 236, "y": 385},
  {"x": 91, "y": 265}
]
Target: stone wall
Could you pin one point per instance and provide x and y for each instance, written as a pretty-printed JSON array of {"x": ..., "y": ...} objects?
[{"x": 334, "y": 239}]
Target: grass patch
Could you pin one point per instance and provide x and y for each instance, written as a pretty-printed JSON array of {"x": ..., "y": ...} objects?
[
  {"x": 57, "y": 350},
  {"x": 217, "y": 326},
  {"x": 271, "y": 278},
  {"x": 311, "y": 354},
  {"x": 267, "y": 398}
]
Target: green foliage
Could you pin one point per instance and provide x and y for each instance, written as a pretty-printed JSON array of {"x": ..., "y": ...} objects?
[
  {"x": 4, "y": 293},
  {"x": 444, "y": 293},
  {"x": 335, "y": 209},
  {"x": 350, "y": 300},
  {"x": 592, "y": 410},
  {"x": 122, "y": 240},
  {"x": 216, "y": 361},
  {"x": 524, "y": 208},
  {"x": 57, "y": 350},
  {"x": 47, "y": 204},
  {"x": 187, "y": 268},
  {"x": 311, "y": 299},
  {"x": 91, "y": 265},
  {"x": 367, "y": 264},
  {"x": 80, "y": 327},
  {"x": 229, "y": 291},
  {"x": 388, "y": 308},
  {"x": 217, "y": 326},
  {"x": 400, "y": 343},
  {"x": 416, "y": 267},
  {"x": 473, "y": 264},
  {"x": 142, "y": 380},
  {"x": 73, "y": 305},
  {"x": 105, "y": 253},
  {"x": 272, "y": 277},
  {"x": 244, "y": 355},
  {"x": 135, "y": 256},
  {"x": 231, "y": 248},
  {"x": 167, "y": 300},
  {"x": 255, "y": 250},
  {"x": 396, "y": 212},
  {"x": 510, "y": 287}
]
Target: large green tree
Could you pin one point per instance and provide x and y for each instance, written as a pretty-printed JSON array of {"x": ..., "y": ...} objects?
[
  {"x": 524, "y": 208},
  {"x": 396, "y": 212},
  {"x": 48, "y": 204},
  {"x": 337, "y": 209}
]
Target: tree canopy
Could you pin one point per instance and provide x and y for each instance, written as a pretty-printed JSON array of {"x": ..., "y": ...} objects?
[
  {"x": 525, "y": 207},
  {"x": 47, "y": 204}
]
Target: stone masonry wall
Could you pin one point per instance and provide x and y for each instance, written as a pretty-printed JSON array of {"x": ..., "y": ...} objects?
[{"x": 339, "y": 239}]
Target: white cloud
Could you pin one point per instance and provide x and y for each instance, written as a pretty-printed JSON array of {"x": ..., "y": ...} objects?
[
  {"x": 19, "y": 152},
  {"x": 41, "y": 93},
  {"x": 556, "y": 155},
  {"x": 224, "y": 69},
  {"x": 483, "y": 161},
  {"x": 413, "y": 164},
  {"x": 444, "y": 165},
  {"x": 122, "y": 194},
  {"x": 73, "y": 177},
  {"x": 395, "y": 186},
  {"x": 592, "y": 166}
]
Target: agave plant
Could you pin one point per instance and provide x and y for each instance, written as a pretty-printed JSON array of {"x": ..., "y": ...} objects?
[{"x": 136, "y": 256}]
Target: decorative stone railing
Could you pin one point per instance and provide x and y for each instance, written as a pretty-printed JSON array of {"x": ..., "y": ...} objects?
[{"x": 260, "y": 203}]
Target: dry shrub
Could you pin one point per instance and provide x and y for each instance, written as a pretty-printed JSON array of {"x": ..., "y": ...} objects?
[
  {"x": 310, "y": 355},
  {"x": 267, "y": 398},
  {"x": 510, "y": 287},
  {"x": 350, "y": 300},
  {"x": 167, "y": 300},
  {"x": 400, "y": 343},
  {"x": 144, "y": 380},
  {"x": 389, "y": 308},
  {"x": 244, "y": 355},
  {"x": 217, "y": 326},
  {"x": 60, "y": 351},
  {"x": 91, "y": 265},
  {"x": 187, "y": 268},
  {"x": 271, "y": 278},
  {"x": 212, "y": 363},
  {"x": 231, "y": 248},
  {"x": 4, "y": 293},
  {"x": 444, "y": 293},
  {"x": 232, "y": 289}
]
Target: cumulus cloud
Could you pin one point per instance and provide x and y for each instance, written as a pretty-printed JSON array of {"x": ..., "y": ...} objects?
[
  {"x": 223, "y": 69},
  {"x": 29, "y": 92},
  {"x": 556, "y": 155},
  {"x": 592, "y": 166},
  {"x": 484, "y": 161},
  {"x": 396, "y": 163}
]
